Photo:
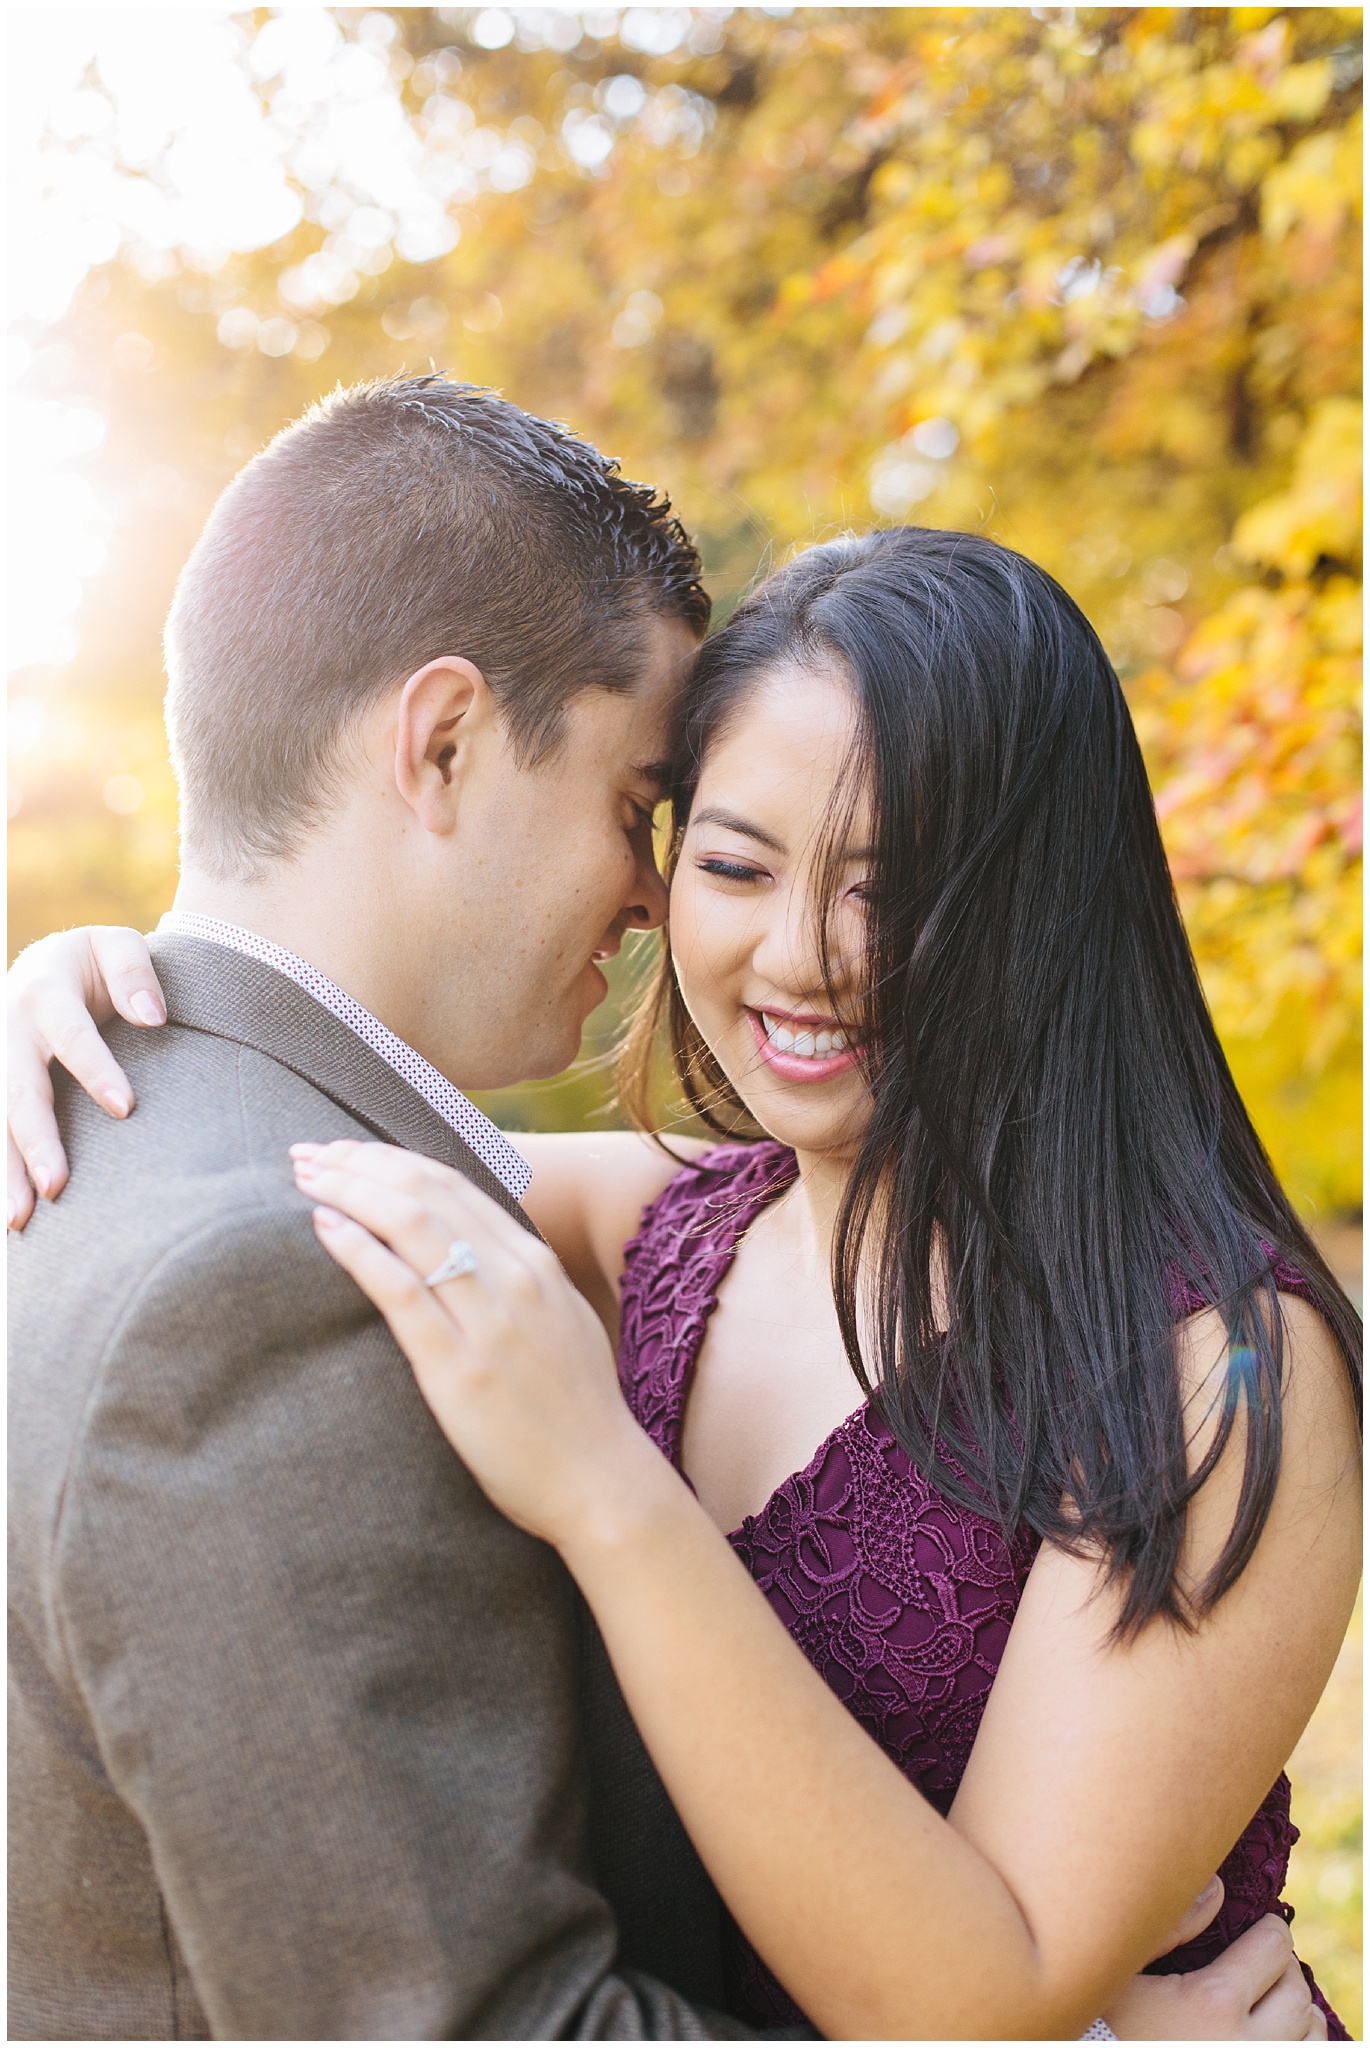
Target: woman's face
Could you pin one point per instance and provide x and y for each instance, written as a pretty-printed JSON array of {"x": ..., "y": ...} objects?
[{"x": 746, "y": 907}]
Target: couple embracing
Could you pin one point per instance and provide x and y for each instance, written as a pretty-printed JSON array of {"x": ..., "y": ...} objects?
[{"x": 906, "y": 1638}]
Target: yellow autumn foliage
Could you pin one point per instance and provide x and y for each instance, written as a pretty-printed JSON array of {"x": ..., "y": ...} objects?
[
  {"x": 1320, "y": 515},
  {"x": 1087, "y": 279},
  {"x": 1253, "y": 738}
]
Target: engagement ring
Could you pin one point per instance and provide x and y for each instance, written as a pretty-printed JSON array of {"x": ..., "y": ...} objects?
[{"x": 461, "y": 1258}]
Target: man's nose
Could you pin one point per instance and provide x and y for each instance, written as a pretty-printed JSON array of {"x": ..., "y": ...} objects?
[{"x": 647, "y": 911}]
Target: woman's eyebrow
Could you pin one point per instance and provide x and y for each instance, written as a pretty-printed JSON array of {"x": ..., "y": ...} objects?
[{"x": 728, "y": 822}]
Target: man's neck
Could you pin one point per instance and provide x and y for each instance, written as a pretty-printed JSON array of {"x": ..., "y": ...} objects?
[{"x": 326, "y": 926}]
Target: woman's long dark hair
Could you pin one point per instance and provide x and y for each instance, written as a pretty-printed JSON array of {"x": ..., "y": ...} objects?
[{"x": 1053, "y": 1116}]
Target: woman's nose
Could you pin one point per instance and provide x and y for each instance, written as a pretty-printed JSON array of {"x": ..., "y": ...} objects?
[{"x": 787, "y": 953}]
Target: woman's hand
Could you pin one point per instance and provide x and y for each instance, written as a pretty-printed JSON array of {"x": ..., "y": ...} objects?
[
  {"x": 60, "y": 991},
  {"x": 1255, "y": 1991},
  {"x": 513, "y": 1362}
]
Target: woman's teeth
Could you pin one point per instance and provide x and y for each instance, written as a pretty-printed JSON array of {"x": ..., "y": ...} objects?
[{"x": 807, "y": 1045}]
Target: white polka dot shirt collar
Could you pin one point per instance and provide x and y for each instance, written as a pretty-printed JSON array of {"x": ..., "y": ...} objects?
[{"x": 490, "y": 1146}]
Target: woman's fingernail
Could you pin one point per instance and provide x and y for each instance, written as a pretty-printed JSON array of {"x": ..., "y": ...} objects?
[
  {"x": 146, "y": 1008},
  {"x": 120, "y": 1104},
  {"x": 11, "y": 1211},
  {"x": 328, "y": 1219},
  {"x": 41, "y": 1180},
  {"x": 304, "y": 1150}
]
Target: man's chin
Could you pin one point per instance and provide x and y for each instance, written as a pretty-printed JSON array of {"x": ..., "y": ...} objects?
[
  {"x": 534, "y": 1060},
  {"x": 567, "y": 1051}
]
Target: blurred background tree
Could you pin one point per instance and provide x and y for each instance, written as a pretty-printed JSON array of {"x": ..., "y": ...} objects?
[{"x": 1084, "y": 278}]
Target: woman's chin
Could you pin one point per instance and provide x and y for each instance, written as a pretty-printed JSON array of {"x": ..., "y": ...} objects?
[
  {"x": 825, "y": 1117},
  {"x": 805, "y": 1132}
]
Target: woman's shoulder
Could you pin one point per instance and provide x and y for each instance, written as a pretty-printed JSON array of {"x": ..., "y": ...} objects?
[
  {"x": 712, "y": 1198},
  {"x": 1312, "y": 1363},
  {"x": 587, "y": 1194},
  {"x": 1313, "y": 1523}
]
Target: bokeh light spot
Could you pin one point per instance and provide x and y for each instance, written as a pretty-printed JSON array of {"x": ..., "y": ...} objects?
[{"x": 123, "y": 794}]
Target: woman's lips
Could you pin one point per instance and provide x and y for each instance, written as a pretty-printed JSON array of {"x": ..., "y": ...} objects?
[{"x": 791, "y": 1066}]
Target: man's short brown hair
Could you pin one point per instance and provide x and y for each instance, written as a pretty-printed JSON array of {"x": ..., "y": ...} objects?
[{"x": 394, "y": 523}]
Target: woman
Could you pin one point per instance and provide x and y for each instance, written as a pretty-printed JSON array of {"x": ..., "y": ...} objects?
[{"x": 922, "y": 938}]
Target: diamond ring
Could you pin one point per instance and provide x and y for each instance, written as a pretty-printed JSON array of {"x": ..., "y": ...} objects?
[{"x": 461, "y": 1259}]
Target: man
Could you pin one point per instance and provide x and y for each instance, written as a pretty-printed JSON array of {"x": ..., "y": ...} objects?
[{"x": 295, "y": 1742}]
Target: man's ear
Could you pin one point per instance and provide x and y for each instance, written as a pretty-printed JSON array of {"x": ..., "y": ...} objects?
[{"x": 443, "y": 708}]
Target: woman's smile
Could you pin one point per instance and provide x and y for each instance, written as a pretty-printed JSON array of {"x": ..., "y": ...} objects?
[{"x": 802, "y": 1048}]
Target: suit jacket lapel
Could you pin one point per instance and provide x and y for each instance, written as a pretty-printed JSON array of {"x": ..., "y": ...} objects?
[{"x": 211, "y": 988}]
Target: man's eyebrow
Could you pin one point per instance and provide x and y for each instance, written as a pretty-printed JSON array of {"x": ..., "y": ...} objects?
[{"x": 728, "y": 822}]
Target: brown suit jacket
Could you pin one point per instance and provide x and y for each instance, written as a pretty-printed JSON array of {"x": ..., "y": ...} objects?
[{"x": 296, "y": 1747}]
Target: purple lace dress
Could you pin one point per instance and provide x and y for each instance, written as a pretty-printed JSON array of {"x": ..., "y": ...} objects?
[{"x": 902, "y": 1600}]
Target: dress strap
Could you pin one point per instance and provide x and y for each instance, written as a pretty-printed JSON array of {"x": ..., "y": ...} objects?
[
  {"x": 1187, "y": 1299},
  {"x": 674, "y": 1268}
]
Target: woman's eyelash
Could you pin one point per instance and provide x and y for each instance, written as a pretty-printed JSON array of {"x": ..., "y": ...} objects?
[
  {"x": 732, "y": 871},
  {"x": 736, "y": 871}
]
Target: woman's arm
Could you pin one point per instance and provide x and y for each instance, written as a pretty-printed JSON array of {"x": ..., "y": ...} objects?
[
  {"x": 1177, "y": 1736},
  {"x": 1107, "y": 1783}
]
